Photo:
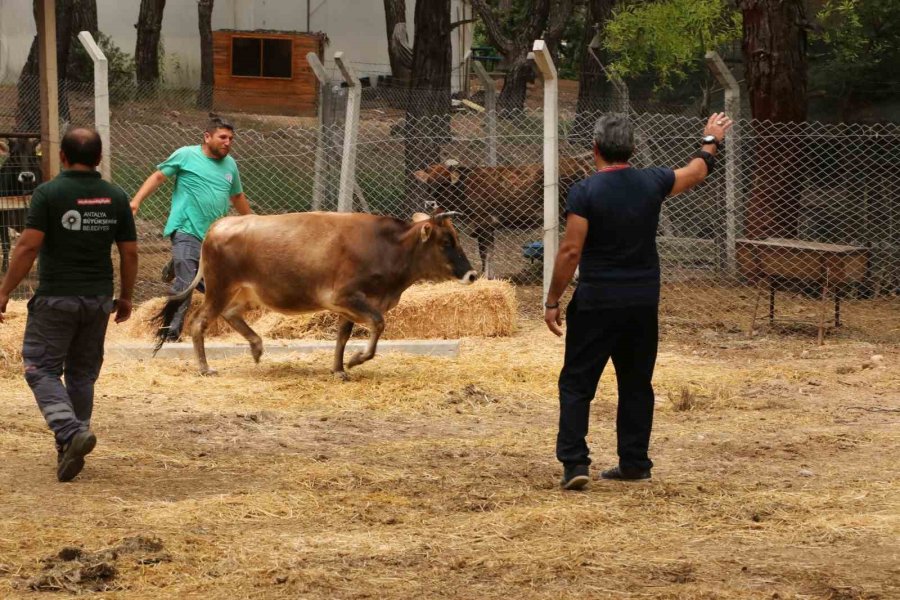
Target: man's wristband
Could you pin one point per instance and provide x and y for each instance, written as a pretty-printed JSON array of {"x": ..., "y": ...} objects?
[
  {"x": 548, "y": 305},
  {"x": 709, "y": 159}
]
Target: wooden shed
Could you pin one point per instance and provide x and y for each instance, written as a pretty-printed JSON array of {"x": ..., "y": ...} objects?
[{"x": 265, "y": 72}]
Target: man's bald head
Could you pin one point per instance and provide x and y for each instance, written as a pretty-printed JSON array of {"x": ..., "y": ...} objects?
[{"x": 82, "y": 146}]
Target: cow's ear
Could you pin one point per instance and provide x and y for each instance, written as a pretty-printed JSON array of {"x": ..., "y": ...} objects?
[
  {"x": 426, "y": 232},
  {"x": 419, "y": 217}
]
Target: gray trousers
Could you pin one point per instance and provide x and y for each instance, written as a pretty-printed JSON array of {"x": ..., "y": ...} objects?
[
  {"x": 186, "y": 261},
  {"x": 65, "y": 335}
]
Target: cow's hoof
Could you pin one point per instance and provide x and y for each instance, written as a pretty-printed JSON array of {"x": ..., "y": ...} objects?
[
  {"x": 356, "y": 359},
  {"x": 340, "y": 376},
  {"x": 256, "y": 352},
  {"x": 209, "y": 373}
]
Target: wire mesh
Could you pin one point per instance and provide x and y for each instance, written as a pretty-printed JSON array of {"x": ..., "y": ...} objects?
[{"x": 796, "y": 219}]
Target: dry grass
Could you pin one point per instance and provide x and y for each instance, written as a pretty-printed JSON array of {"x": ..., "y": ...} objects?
[{"x": 435, "y": 478}]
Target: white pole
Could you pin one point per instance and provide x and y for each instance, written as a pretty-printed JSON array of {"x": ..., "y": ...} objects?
[
  {"x": 101, "y": 99},
  {"x": 733, "y": 109},
  {"x": 551, "y": 159},
  {"x": 351, "y": 129},
  {"x": 490, "y": 106},
  {"x": 318, "y": 190}
]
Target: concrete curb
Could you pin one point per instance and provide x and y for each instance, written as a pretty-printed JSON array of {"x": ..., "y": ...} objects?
[{"x": 218, "y": 350}]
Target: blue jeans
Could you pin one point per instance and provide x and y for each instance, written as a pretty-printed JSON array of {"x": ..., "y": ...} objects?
[{"x": 186, "y": 261}]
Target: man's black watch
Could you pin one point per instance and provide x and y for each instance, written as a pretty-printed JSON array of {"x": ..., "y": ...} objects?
[
  {"x": 548, "y": 305},
  {"x": 710, "y": 139}
]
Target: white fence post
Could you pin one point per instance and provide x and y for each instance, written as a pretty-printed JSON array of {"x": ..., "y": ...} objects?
[
  {"x": 551, "y": 159},
  {"x": 351, "y": 129},
  {"x": 733, "y": 109},
  {"x": 101, "y": 98},
  {"x": 318, "y": 190},
  {"x": 490, "y": 107}
]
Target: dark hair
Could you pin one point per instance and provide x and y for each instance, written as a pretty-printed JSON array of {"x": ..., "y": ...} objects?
[
  {"x": 82, "y": 146},
  {"x": 215, "y": 123},
  {"x": 614, "y": 138}
]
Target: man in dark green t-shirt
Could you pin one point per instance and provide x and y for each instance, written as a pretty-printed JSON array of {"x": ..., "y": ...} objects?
[{"x": 72, "y": 223}]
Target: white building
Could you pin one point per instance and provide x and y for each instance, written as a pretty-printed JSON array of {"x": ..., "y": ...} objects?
[{"x": 356, "y": 27}]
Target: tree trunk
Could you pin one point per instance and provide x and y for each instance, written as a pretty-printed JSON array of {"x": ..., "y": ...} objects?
[
  {"x": 146, "y": 49},
  {"x": 428, "y": 112},
  {"x": 394, "y": 15},
  {"x": 205, "y": 95},
  {"x": 72, "y": 16},
  {"x": 515, "y": 45},
  {"x": 515, "y": 85},
  {"x": 594, "y": 89},
  {"x": 774, "y": 49}
]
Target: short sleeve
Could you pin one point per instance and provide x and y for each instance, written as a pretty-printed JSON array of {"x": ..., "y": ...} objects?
[
  {"x": 576, "y": 203},
  {"x": 125, "y": 227},
  {"x": 38, "y": 211},
  {"x": 172, "y": 165},
  {"x": 236, "y": 186},
  {"x": 664, "y": 179}
]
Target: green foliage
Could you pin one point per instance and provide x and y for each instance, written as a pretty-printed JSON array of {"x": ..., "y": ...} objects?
[
  {"x": 669, "y": 38},
  {"x": 856, "y": 47},
  {"x": 120, "y": 63}
]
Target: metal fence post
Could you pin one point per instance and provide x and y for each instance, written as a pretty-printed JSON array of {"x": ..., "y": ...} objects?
[
  {"x": 490, "y": 107},
  {"x": 318, "y": 190},
  {"x": 733, "y": 109},
  {"x": 101, "y": 98},
  {"x": 551, "y": 159},
  {"x": 351, "y": 129}
]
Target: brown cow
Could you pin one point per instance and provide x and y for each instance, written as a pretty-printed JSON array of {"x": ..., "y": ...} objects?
[
  {"x": 491, "y": 198},
  {"x": 353, "y": 264}
]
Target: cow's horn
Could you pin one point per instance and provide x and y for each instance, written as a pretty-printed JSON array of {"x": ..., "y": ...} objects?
[{"x": 446, "y": 215}]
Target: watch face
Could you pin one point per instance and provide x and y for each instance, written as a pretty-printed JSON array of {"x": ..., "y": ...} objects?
[{"x": 709, "y": 139}]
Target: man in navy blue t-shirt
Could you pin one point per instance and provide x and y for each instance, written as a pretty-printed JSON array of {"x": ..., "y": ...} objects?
[{"x": 611, "y": 222}]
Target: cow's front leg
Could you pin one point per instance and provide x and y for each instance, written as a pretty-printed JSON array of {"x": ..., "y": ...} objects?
[
  {"x": 376, "y": 325},
  {"x": 345, "y": 327}
]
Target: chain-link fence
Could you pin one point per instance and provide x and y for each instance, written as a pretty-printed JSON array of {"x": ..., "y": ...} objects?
[{"x": 799, "y": 221}]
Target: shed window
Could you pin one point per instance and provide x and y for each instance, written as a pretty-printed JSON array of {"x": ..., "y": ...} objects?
[{"x": 261, "y": 57}]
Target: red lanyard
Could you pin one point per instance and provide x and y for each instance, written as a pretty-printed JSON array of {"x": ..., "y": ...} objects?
[{"x": 614, "y": 168}]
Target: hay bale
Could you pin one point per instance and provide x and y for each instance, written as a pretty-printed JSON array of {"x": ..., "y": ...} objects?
[
  {"x": 141, "y": 325},
  {"x": 11, "y": 332},
  {"x": 448, "y": 310}
]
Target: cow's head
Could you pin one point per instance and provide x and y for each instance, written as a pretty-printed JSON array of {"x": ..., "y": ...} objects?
[
  {"x": 21, "y": 172},
  {"x": 441, "y": 174},
  {"x": 441, "y": 256}
]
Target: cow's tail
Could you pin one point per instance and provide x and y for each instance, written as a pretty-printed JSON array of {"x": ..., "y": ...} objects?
[{"x": 164, "y": 317}]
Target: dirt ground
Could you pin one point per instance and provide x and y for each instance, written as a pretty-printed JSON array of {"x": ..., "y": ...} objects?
[{"x": 776, "y": 477}]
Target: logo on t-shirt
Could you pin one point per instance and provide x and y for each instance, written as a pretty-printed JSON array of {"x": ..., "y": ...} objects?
[
  {"x": 229, "y": 177},
  {"x": 72, "y": 220}
]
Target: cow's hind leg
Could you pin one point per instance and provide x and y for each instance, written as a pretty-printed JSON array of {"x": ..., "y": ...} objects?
[
  {"x": 234, "y": 316},
  {"x": 345, "y": 328},
  {"x": 212, "y": 307}
]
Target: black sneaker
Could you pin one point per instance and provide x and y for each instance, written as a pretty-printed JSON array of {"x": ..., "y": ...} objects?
[
  {"x": 168, "y": 272},
  {"x": 575, "y": 477},
  {"x": 625, "y": 475},
  {"x": 70, "y": 459}
]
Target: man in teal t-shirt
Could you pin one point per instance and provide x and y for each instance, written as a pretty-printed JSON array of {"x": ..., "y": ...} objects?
[{"x": 207, "y": 183}]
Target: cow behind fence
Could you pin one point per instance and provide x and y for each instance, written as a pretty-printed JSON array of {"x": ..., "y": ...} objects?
[{"x": 19, "y": 175}]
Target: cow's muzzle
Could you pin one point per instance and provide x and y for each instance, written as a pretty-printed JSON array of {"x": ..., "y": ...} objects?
[
  {"x": 26, "y": 177},
  {"x": 468, "y": 278}
]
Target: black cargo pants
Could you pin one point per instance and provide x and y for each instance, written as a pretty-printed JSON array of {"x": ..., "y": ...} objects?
[{"x": 64, "y": 336}]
